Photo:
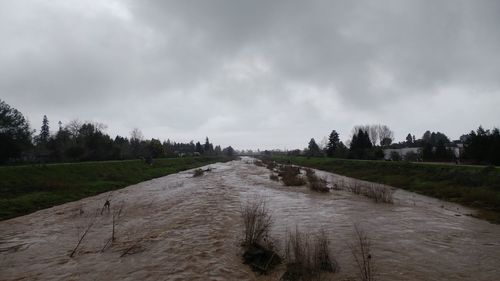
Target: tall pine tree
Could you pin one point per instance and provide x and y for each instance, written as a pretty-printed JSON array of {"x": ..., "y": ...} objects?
[
  {"x": 333, "y": 143},
  {"x": 44, "y": 136}
]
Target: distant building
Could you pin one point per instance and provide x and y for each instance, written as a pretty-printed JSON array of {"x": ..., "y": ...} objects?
[
  {"x": 402, "y": 152},
  {"x": 455, "y": 147}
]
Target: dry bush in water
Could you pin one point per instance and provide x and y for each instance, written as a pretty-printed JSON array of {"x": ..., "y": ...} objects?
[
  {"x": 257, "y": 221},
  {"x": 271, "y": 165},
  {"x": 116, "y": 215},
  {"x": 274, "y": 177},
  {"x": 89, "y": 224},
  {"x": 361, "y": 251},
  {"x": 308, "y": 256},
  {"x": 258, "y": 245},
  {"x": 290, "y": 176},
  {"x": 198, "y": 173},
  {"x": 339, "y": 184},
  {"x": 316, "y": 183},
  {"x": 379, "y": 193},
  {"x": 355, "y": 188},
  {"x": 258, "y": 163}
]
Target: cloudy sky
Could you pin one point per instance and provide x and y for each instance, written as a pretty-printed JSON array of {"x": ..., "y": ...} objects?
[{"x": 253, "y": 74}]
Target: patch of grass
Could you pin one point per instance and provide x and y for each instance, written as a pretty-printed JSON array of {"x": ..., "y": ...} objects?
[
  {"x": 26, "y": 189},
  {"x": 477, "y": 187}
]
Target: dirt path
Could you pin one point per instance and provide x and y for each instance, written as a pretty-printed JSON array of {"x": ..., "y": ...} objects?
[{"x": 183, "y": 228}]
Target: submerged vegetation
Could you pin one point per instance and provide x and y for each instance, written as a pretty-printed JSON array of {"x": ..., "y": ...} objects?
[
  {"x": 316, "y": 183},
  {"x": 477, "y": 187},
  {"x": 308, "y": 257},
  {"x": 258, "y": 247},
  {"x": 291, "y": 176},
  {"x": 25, "y": 189},
  {"x": 198, "y": 173}
]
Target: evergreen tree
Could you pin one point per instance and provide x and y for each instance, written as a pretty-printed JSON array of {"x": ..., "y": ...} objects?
[
  {"x": 199, "y": 148},
  {"x": 44, "y": 136},
  {"x": 15, "y": 133},
  {"x": 208, "y": 147},
  {"x": 409, "y": 139},
  {"x": 386, "y": 142},
  {"x": 333, "y": 143},
  {"x": 217, "y": 150},
  {"x": 228, "y": 151},
  {"x": 360, "y": 145},
  {"x": 313, "y": 148}
]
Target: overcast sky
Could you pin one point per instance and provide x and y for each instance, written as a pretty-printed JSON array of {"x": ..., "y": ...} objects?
[{"x": 253, "y": 74}]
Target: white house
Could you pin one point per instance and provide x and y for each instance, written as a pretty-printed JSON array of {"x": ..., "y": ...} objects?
[{"x": 401, "y": 151}]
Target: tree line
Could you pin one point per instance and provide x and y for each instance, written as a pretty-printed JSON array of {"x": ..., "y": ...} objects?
[
  {"x": 369, "y": 141},
  {"x": 85, "y": 141}
]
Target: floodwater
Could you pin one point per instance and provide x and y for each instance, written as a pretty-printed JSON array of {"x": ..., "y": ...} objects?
[{"x": 182, "y": 228}]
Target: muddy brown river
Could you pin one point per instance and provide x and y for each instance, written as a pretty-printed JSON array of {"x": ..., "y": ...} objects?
[{"x": 179, "y": 227}]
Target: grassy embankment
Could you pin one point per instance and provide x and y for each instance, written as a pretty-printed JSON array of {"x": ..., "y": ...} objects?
[
  {"x": 476, "y": 187},
  {"x": 25, "y": 189}
]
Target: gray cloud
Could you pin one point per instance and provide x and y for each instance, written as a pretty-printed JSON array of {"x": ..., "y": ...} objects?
[{"x": 253, "y": 73}]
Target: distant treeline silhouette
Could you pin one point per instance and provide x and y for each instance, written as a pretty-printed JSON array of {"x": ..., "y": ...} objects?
[
  {"x": 369, "y": 142},
  {"x": 85, "y": 141}
]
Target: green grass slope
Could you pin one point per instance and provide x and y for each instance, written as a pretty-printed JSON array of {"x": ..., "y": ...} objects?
[{"x": 25, "y": 189}]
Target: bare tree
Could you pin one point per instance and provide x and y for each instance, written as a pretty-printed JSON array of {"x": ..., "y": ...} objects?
[
  {"x": 385, "y": 133},
  {"x": 136, "y": 135},
  {"x": 74, "y": 127},
  {"x": 100, "y": 127},
  {"x": 323, "y": 143},
  {"x": 373, "y": 133}
]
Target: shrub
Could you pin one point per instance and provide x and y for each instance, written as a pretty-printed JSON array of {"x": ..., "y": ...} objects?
[
  {"x": 256, "y": 222},
  {"x": 290, "y": 176},
  {"x": 355, "y": 187},
  {"x": 395, "y": 156},
  {"x": 411, "y": 156},
  {"x": 379, "y": 193},
  {"x": 270, "y": 164},
  {"x": 316, "y": 183},
  {"x": 198, "y": 173},
  {"x": 258, "y": 163},
  {"x": 307, "y": 257},
  {"x": 258, "y": 246},
  {"x": 274, "y": 177}
]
